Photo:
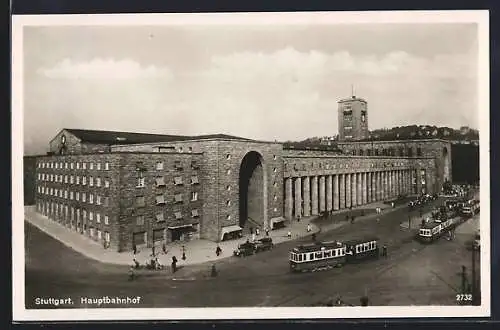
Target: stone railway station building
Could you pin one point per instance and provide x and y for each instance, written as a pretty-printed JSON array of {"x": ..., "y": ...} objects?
[{"x": 124, "y": 188}]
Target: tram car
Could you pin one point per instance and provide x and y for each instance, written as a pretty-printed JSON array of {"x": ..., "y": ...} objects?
[
  {"x": 433, "y": 230},
  {"x": 327, "y": 255},
  {"x": 471, "y": 207}
]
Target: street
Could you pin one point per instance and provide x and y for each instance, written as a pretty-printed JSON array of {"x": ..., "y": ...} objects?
[{"x": 412, "y": 274}]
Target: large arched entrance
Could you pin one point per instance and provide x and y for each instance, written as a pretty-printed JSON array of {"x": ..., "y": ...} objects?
[{"x": 253, "y": 191}]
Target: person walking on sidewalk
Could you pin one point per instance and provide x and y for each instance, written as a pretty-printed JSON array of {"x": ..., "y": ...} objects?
[
  {"x": 267, "y": 231},
  {"x": 174, "y": 264},
  {"x": 134, "y": 249},
  {"x": 218, "y": 251},
  {"x": 308, "y": 227}
]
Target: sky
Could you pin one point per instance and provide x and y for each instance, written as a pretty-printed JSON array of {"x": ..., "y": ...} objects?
[{"x": 266, "y": 82}]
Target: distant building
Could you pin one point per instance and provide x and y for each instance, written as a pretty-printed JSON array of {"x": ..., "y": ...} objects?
[{"x": 353, "y": 119}]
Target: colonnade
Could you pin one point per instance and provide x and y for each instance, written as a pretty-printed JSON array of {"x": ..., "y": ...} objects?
[{"x": 311, "y": 195}]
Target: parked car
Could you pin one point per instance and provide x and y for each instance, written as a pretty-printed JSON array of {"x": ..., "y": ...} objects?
[
  {"x": 245, "y": 249},
  {"x": 264, "y": 244}
]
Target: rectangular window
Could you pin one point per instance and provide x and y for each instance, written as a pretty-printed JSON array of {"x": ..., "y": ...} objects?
[
  {"x": 84, "y": 180},
  {"x": 77, "y": 179},
  {"x": 71, "y": 179},
  {"x": 91, "y": 181},
  {"x": 194, "y": 213},
  {"x": 194, "y": 179},
  {"x": 98, "y": 218},
  {"x": 91, "y": 166},
  {"x": 140, "y": 201},
  {"x": 141, "y": 182},
  {"x": 139, "y": 221},
  {"x": 99, "y": 234},
  {"x": 77, "y": 166},
  {"x": 91, "y": 198},
  {"x": 91, "y": 215},
  {"x": 84, "y": 166},
  {"x": 106, "y": 201},
  {"x": 71, "y": 195},
  {"x": 178, "y": 215},
  {"x": 84, "y": 197},
  {"x": 98, "y": 166},
  {"x": 178, "y": 180},
  {"x": 66, "y": 194},
  {"x": 160, "y": 199},
  {"x": 106, "y": 220},
  {"x": 72, "y": 165},
  {"x": 160, "y": 181},
  {"x": 77, "y": 196},
  {"x": 178, "y": 198},
  {"x": 60, "y": 193},
  {"x": 194, "y": 196},
  {"x": 107, "y": 237},
  {"x": 159, "y": 166},
  {"x": 98, "y": 182},
  {"x": 98, "y": 200},
  {"x": 106, "y": 183},
  {"x": 160, "y": 217},
  {"x": 106, "y": 166}
]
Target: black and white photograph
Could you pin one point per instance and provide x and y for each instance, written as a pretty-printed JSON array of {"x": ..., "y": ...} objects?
[{"x": 251, "y": 166}]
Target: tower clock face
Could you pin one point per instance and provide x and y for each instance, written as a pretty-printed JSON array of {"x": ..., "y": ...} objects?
[{"x": 63, "y": 139}]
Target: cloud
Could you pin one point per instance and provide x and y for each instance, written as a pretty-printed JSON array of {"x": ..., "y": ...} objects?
[
  {"x": 103, "y": 69},
  {"x": 286, "y": 94}
]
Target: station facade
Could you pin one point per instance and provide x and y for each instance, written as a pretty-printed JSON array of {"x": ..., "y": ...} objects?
[{"x": 123, "y": 189}]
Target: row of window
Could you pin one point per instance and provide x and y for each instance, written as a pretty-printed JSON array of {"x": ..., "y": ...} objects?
[
  {"x": 140, "y": 201},
  {"x": 74, "y": 195},
  {"x": 160, "y": 216},
  {"x": 387, "y": 152},
  {"x": 72, "y": 165},
  {"x": 160, "y": 166},
  {"x": 160, "y": 181},
  {"x": 71, "y": 213},
  {"x": 70, "y": 179},
  {"x": 297, "y": 167}
]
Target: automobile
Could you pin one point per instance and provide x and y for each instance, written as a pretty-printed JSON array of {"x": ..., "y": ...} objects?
[
  {"x": 264, "y": 244},
  {"x": 245, "y": 249}
]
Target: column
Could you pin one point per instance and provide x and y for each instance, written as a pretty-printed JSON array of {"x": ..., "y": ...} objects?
[
  {"x": 385, "y": 183},
  {"x": 393, "y": 184},
  {"x": 307, "y": 197},
  {"x": 314, "y": 197},
  {"x": 374, "y": 186},
  {"x": 369, "y": 180},
  {"x": 322, "y": 193},
  {"x": 348, "y": 193},
  {"x": 401, "y": 190},
  {"x": 359, "y": 190},
  {"x": 408, "y": 181},
  {"x": 336, "y": 192},
  {"x": 329, "y": 192},
  {"x": 298, "y": 197},
  {"x": 364, "y": 200},
  {"x": 341, "y": 191},
  {"x": 288, "y": 199},
  {"x": 354, "y": 189}
]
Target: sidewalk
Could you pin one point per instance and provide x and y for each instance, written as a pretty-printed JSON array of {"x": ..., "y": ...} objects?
[{"x": 197, "y": 251}]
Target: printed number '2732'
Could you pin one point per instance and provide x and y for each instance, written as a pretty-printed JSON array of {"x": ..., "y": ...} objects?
[{"x": 464, "y": 297}]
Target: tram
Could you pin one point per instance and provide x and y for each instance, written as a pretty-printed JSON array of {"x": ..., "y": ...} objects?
[
  {"x": 327, "y": 255},
  {"x": 433, "y": 230}
]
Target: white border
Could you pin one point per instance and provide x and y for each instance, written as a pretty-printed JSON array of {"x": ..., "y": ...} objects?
[{"x": 481, "y": 17}]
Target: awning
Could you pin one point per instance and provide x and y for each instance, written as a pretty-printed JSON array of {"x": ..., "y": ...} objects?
[
  {"x": 277, "y": 220},
  {"x": 180, "y": 226},
  {"x": 229, "y": 229}
]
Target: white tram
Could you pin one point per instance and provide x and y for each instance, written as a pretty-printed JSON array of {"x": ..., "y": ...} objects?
[
  {"x": 433, "y": 230},
  {"x": 326, "y": 255}
]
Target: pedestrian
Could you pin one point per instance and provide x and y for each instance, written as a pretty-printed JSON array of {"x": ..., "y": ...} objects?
[
  {"x": 183, "y": 255},
  {"x": 174, "y": 264},
  {"x": 218, "y": 250},
  {"x": 289, "y": 234},
  {"x": 384, "y": 251},
  {"x": 153, "y": 251},
  {"x": 213, "y": 272},
  {"x": 267, "y": 231},
  {"x": 308, "y": 227},
  {"x": 164, "y": 247},
  {"x": 136, "y": 263},
  {"x": 134, "y": 248},
  {"x": 131, "y": 274}
]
